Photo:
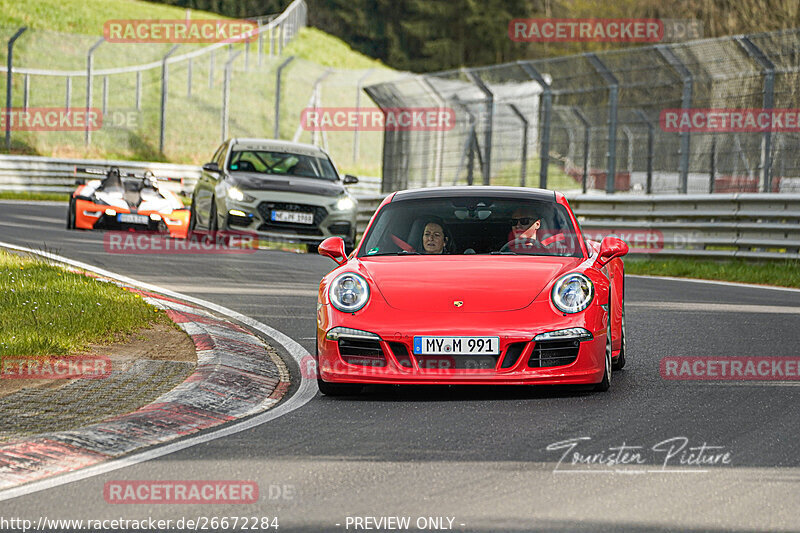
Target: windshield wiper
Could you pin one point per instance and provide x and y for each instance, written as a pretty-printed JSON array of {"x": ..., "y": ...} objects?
[{"x": 507, "y": 252}]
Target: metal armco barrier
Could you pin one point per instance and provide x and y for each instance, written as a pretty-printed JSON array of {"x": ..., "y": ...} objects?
[
  {"x": 46, "y": 174},
  {"x": 754, "y": 226}
]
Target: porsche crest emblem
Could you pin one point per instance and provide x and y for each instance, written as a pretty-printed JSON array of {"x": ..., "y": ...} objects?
[{"x": 458, "y": 303}]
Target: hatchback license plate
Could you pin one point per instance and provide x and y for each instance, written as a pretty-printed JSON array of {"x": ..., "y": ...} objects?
[
  {"x": 429, "y": 345},
  {"x": 295, "y": 217},
  {"x": 128, "y": 218}
]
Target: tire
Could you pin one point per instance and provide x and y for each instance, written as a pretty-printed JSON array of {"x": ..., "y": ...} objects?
[
  {"x": 620, "y": 363},
  {"x": 212, "y": 217},
  {"x": 192, "y": 219},
  {"x": 605, "y": 384},
  {"x": 338, "y": 389},
  {"x": 71, "y": 215}
]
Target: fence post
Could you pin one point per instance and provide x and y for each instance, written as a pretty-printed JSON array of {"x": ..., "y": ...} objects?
[
  {"x": 164, "y": 82},
  {"x": 26, "y": 91},
  {"x": 189, "y": 78},
  {"x": 487, "y": 161},
  {"x": 138, "y": 90},
  {"x": 276, "y": 134},
  {"x": 713, "y": 165},
  {"x": 523, "y": 173},
  {"x": 545, "y": 113},
  {"x": 768, "y": 70},
  {"x": 69, "y": 93},
  {"x": 226, "y": 91},
  {"x": 281, "y": 31},
  {"x": 439, "y": 159},
  {"x": 650, "y": 143},
  {"x": 587, "y": 137},
  {"x": 105, "y": 95},
  {"x": 686, "y": 102},
  {"x": 89, "y": 65},
  {"x": 359, "y": 87},
  {"x": 613, "y": 97},
  {"x": 315, "y": 92},
  {"x": 211, "y": 61},
  {"x": 9, "y": 70}
]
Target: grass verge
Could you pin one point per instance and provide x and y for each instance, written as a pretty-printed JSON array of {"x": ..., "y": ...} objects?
[
  {"x": 34, "y": 196},
  {"x": 46, "y": 310},
  {"x": 780, "y": 273}
]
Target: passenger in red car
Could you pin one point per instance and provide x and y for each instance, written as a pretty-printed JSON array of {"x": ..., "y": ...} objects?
[{"x": 433, "y": 238}]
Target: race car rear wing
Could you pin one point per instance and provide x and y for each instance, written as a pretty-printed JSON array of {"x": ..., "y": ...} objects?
[{"x": 106, "y": 171}]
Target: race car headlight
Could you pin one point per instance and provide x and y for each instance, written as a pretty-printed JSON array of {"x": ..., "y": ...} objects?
[
  {"x": 236, "y": 194},
  {"x": 572, "y": 293},
  {"x": 349, "y": 292},
  {"x": 345, "y": 203}
]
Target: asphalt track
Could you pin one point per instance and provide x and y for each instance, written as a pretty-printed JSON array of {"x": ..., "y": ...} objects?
[{"x": 478, "y": 455}]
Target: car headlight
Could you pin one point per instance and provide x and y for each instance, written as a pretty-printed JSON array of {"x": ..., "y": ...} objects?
[
  {"x": 345, "y": 203},
  {"x": 572, "y": 293},
  {"x": 349, "y": 292},
  {"x": 236, "y": 194}
]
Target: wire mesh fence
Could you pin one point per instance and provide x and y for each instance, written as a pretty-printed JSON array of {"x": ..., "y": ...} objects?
[
  {"x": 596, "y": 121},
  {"x": 180, "y": 101}
]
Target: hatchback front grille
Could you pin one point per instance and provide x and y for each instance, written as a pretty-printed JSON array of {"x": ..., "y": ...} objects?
[{"x": 554, "y": 353}]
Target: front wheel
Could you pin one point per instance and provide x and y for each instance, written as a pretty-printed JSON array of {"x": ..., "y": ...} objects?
[
  {"x": 71, "y": 215},
  {"x": 605, "y": 384}
]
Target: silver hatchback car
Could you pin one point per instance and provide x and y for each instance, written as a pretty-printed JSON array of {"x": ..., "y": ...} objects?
[{"x": 281, "y": 190}]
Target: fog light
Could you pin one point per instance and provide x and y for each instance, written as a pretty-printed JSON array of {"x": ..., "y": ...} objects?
[
  {"x": 155, "y": 217},
  {"x": 237, "y": 213},
  {"x": 111, "y": 212}
]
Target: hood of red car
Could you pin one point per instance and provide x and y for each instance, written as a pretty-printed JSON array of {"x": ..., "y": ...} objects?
[{"x": 482, "y": 283}]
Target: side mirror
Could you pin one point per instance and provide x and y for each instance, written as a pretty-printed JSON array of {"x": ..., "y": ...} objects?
[
  {"x": 211, "y": 167},
  {"x": 333, "y": 247},
  {"x": 610, "y": 248},
  {"x": 349, "y": 179}
]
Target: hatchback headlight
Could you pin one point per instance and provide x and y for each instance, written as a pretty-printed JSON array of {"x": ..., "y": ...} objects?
[
  {"x": 345, "y": 203},
  {"x": 349, "y": 292},
  {"x": 236, "y": 194},
  {"x": 572, "y": 293}
]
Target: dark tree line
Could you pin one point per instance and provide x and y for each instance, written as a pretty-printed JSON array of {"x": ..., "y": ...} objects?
[{"x": 429, "y": 35}]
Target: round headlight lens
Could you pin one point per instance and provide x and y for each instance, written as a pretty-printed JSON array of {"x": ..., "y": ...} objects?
[
  {"x": 573, "y": 293},
  {"x": 345, "y": 203},
  {"x": 349, "y": 292}
]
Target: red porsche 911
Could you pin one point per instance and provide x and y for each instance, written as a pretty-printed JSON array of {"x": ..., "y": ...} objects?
[{"x": 471, "y": 285}]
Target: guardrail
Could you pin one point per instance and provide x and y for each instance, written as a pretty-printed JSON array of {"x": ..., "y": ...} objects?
[
  {"x": 46, "y": 174},
  {"x": 754, "y": 226}
]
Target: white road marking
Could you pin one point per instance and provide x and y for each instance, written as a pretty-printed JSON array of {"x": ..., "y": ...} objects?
[
  {"x": 306, "y": 391},
  {"x": 717, "y": 282},
  {"x": 715, "y": 307}
]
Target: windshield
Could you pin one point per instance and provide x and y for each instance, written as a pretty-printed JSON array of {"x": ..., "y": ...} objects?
[
  {"x": 472, "y": 225},
  {"x": 266, "y": 162}
]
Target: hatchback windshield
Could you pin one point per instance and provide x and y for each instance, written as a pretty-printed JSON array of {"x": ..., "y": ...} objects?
[
  {"x": 472, "y": 225},
  {"x": 266, "y": 162}
]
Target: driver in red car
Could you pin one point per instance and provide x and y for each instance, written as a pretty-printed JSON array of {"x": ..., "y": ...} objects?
[{"x": 524, "y": 225}]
